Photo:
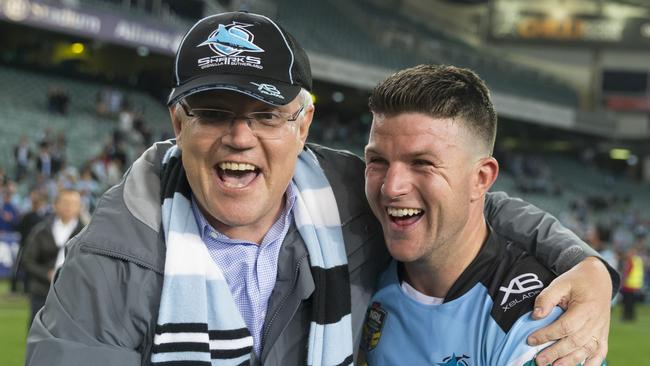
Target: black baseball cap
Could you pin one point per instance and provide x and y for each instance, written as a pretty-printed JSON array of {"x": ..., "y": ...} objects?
[{"x": 243, "y": 52}]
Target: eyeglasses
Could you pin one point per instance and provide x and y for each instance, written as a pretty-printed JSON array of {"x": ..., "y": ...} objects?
[{"x": 266, "y": 125}]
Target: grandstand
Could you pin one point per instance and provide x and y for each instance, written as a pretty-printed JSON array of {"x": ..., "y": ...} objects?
[
  {"x": 545, "y": 91},
  {"x": 366, "y": 33},
  {"x": 348, "y": 41},
  {"x": 25, "y": 113}
]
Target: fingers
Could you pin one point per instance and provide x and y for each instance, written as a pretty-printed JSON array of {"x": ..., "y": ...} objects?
[
  {"x": 588, "y": 342},
  {"x": 555, "y": 294},
  {"x": 573, "y": 359},
  {"x": 592, "y": 354},
  {"x": 569, "y": 348},
  {"x": 575, "y": 319},
  {"x": 597, "y": 358}
]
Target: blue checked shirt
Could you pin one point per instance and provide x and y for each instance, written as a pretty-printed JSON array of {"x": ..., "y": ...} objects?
[{"x": 249, "y": 269}]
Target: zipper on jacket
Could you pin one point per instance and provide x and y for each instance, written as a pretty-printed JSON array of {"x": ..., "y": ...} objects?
[{"x": 281, "y": 305}]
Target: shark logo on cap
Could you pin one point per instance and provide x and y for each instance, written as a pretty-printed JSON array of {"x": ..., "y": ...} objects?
[{"x": 231, "y": 40}]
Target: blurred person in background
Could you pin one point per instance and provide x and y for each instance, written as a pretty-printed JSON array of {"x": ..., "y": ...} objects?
[
  {"x": 599, "y": 239},
  {"x": 44, "y": 163},
  {"x": 633, "y": 278},
  {"x": 36, "y": 214},
  {"x": 57, "y": 100},
  {"x": 22, "y": 156},
  {"x": 9, "y": 215},
  {"x": 237, "y": 239},
  {"x": 88, "y": 187},
  {"x": 44, "y": 250}
]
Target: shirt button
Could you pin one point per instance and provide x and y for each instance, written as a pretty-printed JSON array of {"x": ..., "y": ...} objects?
[{"x": 213, "y": 235}]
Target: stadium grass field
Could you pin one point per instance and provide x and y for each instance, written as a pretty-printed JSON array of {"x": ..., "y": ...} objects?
[{"x": 629, "y": 343}]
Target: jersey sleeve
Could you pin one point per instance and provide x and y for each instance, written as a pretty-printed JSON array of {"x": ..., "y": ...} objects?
[
  {"x": 514, "y": 351},
  {"x": 541, "y": 234}
]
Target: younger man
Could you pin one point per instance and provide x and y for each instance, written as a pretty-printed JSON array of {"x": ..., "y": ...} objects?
[{"x": 457, "y": 292}]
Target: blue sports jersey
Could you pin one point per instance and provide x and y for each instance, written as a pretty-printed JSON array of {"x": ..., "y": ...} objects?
[{"x": 484, "y": 319}]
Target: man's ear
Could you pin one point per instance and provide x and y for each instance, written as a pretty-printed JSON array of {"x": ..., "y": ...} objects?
[
  {"x": 305, "y": 123},
  {"x": 485, "y": 173},
  {"x": 177, "y": 122}
]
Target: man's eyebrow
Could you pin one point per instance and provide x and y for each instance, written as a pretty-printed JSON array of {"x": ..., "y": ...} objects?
[
  {"x": 371, "y": 150},
  {"x": 420, "y": 154}
]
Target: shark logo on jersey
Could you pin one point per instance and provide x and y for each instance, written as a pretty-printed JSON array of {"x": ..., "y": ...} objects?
[
  {"x": 454, "y": 360},
  {"x": 375, "y": 318},
  {"x": 231, "y": 40}
]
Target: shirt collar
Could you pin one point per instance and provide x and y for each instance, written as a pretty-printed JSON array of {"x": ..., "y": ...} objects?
[{"x": 206, "y": 230}]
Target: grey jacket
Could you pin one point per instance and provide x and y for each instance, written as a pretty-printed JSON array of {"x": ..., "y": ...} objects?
[{"x": 103, "y": 305}]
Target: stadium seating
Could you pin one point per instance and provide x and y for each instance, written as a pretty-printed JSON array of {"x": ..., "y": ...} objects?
[
  {"x": 324, "y": 29},
  {"x": 581, "y": 183},
  {"x": 361, "y": 31},
  {"x": 355, "y": 30},
  {"x": 25, "y": 113},
  {"x": 135, "y": 12},
  {"x": 500, "y": 74}
]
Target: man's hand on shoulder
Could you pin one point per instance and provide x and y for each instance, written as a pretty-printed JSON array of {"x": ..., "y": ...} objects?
[{"x": 584, "y": 292}]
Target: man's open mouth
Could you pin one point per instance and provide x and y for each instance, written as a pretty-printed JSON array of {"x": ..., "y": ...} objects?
[
  {"x": 236, "y": 175},
  {"x": 404, "y": 216}
]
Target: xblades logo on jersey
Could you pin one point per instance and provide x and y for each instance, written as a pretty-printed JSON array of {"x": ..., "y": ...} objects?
[
  {"x": 527, "y": 284},
  {"x": 231, "y": 40}
]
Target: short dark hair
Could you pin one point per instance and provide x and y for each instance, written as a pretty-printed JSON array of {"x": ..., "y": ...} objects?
[{"x": 439, "y": 91}]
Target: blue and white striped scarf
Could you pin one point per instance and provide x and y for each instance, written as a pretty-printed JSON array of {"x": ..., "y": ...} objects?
[{"x": 198, "y": 321}]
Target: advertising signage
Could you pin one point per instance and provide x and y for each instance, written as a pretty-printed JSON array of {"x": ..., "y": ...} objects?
[
  {"x": 576, "y": 22},
  {"x": 93, "y": 23}
]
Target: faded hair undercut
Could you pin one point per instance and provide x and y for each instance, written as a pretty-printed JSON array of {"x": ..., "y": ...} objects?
[{"x": 439, "y": 91}]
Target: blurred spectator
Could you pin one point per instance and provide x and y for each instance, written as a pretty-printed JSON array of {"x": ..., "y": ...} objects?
[
  {"x": 145, "y": 132},
  {"x": 57, "y": 152},
  {"x": 22, "y": 156},
  {"x": 125, "y": 120},
  {"x": 108, "y": 101},
  {"x": 9, "y": 216},
  {"x": 45, "y": 136},
  {"x": 633, "y": 272},
  {"x": 88, "y": 187},
  {"x": 114, "y": 171},
  {"x": 44, "y": 160},
  {"x": 3, "y": 176},
  {"x": 44, "y": 249},
  {"x": 575, "y": 218},
  {"x": 532, "y": 174},
  {"x": 57, "y": 100},
  {"x": 36, "y": 214},
  {"x": 598, "y": 237}
]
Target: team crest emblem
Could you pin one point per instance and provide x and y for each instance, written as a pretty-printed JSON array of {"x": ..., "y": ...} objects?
[
  {"x": 454, "y": 360},
  {"x": 231, "y": 40},
  {"x": 375, "y": 318}
]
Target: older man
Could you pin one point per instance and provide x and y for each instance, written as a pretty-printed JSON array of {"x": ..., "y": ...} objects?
[{"x": 238, "y": 243}]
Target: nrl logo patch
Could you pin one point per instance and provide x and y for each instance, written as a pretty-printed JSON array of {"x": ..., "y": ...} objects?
[
  {"x": 375, "y": 318},
  {"x": 231, "y": 40}
]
